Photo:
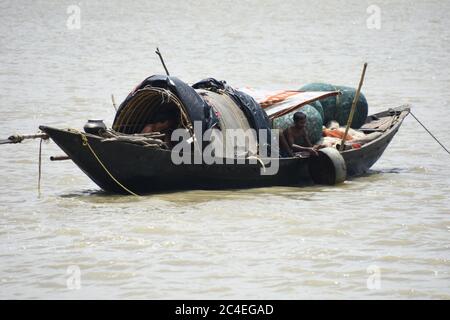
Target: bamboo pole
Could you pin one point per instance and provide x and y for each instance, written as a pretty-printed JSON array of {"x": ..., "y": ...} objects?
[
  {"x": 162, "y": 60},
  {"x": 114, "y": 102},
  {"x": 352, "y": 111}
]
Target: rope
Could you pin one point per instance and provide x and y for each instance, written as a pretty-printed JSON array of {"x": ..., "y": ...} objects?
[
  {"x": 85, "y": 143},
  {"x": 16, "y": 138},
  {"x": 429, "y": 132},
  {"x": 40, "y": 168},
  {"x": 19, "y": 138},
  {"x": 258, "y": 159}
]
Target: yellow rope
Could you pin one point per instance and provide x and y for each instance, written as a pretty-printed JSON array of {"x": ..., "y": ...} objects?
[{"x": 85, "y": 143}]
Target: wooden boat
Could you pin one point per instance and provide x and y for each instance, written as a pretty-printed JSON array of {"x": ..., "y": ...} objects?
[{"x": 118, "y": 166}]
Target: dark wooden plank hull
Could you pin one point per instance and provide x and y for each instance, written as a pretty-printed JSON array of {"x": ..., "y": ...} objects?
[
  {"x": 359, "y": 161},
  {"x": 145, "y": 170}
]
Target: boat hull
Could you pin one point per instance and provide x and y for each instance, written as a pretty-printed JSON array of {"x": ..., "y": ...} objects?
[{"x": 143, "y": 169}]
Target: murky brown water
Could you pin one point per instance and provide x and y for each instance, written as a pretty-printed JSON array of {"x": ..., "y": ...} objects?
[{"x": 313, "y": 242}]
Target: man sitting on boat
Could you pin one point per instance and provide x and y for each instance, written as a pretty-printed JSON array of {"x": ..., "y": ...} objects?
[{"x": 292, "y": 138}]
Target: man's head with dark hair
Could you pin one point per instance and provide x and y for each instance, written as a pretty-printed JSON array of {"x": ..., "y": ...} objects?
[
  {"x": 299, "y": 119},
  {"x": 166, "y": 113},
  {"x": 164, "y": 119}
]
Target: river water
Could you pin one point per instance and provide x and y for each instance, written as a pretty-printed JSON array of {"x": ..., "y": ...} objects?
[{"x": 384, "y": 235}]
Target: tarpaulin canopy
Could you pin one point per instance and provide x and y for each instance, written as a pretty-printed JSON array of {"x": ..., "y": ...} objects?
[
  {"x": 128, "y": 119},
  {"x": 281, "y": 102}
]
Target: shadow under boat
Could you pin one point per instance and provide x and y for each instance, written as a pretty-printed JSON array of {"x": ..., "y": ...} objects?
[{"x": 146, "y": 170}]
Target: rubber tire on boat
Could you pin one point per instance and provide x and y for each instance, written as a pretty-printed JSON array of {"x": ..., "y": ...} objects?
[{"x": 328, "y": 168}]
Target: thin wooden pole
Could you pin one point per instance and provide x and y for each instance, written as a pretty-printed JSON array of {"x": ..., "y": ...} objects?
[
  {"x": 352, "y": 111},
  {"x": 162, "y": 61},
  {"x": 113, "y": 102}
]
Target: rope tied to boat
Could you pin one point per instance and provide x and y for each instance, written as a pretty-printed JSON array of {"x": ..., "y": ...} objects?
[
  {"x": 40, "y": 167},
  {"x": 85, "y": 143},
  {"x": 259, "y": 160},
  {"x": 18, "y": 138},
  {"x": 429, "y": 132}
]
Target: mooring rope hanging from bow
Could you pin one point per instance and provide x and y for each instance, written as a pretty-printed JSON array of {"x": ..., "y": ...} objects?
[
  {"x": 40, "y": 167},
  {"x": 85, "y": 143},
  {"x": 429, "y": 132}
]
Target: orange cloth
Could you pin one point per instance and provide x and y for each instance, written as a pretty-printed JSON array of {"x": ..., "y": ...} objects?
[{"x": 336, "y": 134}]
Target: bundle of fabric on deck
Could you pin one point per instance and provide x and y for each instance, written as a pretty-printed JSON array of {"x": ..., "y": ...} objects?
[
  {"x": 333, "y": 134},
  {"x": 153, "y": 139}
]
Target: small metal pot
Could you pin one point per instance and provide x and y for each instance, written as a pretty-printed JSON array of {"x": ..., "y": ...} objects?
[{"x": 94, "y": 127}]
